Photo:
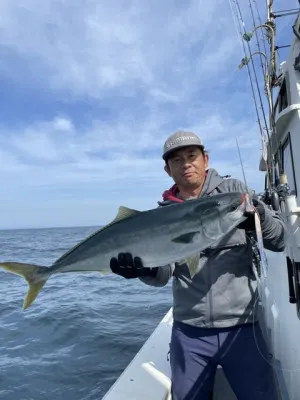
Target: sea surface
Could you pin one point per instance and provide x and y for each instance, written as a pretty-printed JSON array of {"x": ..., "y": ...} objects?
[{"x": 81, "y": 331}]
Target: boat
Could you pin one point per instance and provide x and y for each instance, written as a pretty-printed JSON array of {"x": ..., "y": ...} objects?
[{"x": 148, "y": 376}]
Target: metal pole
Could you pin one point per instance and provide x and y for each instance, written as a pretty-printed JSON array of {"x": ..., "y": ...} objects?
[{"x": 271, "y": 77}]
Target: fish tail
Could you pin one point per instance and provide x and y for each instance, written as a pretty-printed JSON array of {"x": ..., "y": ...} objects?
[{"x": 35, "y": 275}]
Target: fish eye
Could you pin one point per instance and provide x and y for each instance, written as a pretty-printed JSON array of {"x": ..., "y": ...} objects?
[{"x": 232, "y": 207}]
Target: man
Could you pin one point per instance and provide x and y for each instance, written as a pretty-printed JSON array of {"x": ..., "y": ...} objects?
[{"x": 215, "y": 320}]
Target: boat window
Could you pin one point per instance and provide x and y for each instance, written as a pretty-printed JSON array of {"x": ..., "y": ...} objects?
[
  {"x": 296, "y": 275},
  {"x": 277, "y": 165},
  {"x": 283, "y": 97},
  {"x": 277, "y": 168},
  {"x": 288, "y": 164},
  {"x": 293, "y": 270}
]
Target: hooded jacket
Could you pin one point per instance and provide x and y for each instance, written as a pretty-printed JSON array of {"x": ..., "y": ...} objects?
[{"x": 223, "y": 291}]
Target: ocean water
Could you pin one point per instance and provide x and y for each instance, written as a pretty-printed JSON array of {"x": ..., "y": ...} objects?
[{"x": 81, "y": 331}]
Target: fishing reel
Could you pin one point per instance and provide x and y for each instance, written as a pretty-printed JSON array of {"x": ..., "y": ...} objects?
[{"x": 273, "y": 197}]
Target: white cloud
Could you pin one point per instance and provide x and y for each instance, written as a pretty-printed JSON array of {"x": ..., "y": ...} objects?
[
  {"x": 63, "y": 124},
  {"x": 106, "y": 153},
  {"x": 87, "y": 50}
]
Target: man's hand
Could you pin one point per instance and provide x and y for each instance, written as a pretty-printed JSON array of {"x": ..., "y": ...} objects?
[
  {"x": 249, "y": 223},
  {"x": 128, "y": 267}
]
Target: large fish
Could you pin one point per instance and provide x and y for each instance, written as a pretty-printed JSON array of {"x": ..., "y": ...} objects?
[{"x": 159, "y": 236}]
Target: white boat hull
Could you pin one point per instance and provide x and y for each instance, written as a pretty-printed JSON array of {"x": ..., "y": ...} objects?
[
  {"x": 283, "y": 326},
  {"x": 148, "y": 376}
]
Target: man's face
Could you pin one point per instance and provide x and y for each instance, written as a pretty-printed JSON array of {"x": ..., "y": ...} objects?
[{"x": 187, "y": 167}]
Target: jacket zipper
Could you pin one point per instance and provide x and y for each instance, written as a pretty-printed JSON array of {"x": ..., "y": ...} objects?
[
  {"x": 211, "y": 309},
  {"x": 210, "y": 301}
]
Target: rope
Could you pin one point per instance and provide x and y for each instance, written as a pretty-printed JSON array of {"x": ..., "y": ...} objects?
[
  {"x": 254, "y": 71},
  {"x": 267, "y": 87},
  {"x": 249, "y": 74},
  {"x": 260, "y": 23},
  {"x": 257, "y": 39},
  {"x": 245, "y": 62}
]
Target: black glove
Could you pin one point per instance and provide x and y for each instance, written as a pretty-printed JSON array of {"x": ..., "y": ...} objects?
[
  {"x": 129, "y": 267},
  {"x": 249, "y": 223}
]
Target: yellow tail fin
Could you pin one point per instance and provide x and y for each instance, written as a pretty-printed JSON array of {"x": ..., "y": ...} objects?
[{"x": 35, "y": 276}]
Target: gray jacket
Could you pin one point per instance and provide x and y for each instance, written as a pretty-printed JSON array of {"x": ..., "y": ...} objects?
[{"x": 224, "y": 289}]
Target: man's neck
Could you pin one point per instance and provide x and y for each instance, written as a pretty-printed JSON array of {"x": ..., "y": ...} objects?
[{"x": 189, "y": 193}]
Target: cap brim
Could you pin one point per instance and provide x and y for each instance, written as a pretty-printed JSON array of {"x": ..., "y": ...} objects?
[{"x": 166, "y": 155}]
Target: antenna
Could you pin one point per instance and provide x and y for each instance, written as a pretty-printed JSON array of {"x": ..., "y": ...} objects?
[{"x": 242, "y": 165}]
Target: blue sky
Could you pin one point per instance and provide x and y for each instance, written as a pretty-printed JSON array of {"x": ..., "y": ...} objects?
[{"x": 90, "y": 90}]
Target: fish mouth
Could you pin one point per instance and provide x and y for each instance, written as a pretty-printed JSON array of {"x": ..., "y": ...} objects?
[
  {"x": 239, "y": 204},
  {"x": 244, "y": 205},
  {"x": 243, "y": 197},
  {"x": 247, "y": 202}
]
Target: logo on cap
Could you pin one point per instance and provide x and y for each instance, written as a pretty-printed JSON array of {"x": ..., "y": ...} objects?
[{"x": 179, "y": 140}]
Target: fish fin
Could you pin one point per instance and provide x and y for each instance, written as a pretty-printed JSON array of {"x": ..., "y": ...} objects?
[
  {"x": 186, "y": 237},
  {"x": 193, "y": 263},
  {"x": 124, "y": 213},
  {"x": 30, "y": 273},
  {"x": 103, "y": 272}
]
